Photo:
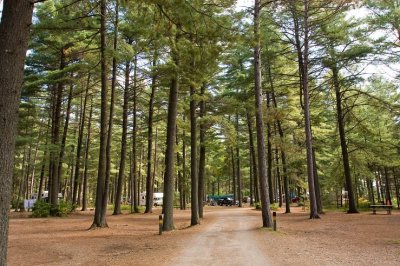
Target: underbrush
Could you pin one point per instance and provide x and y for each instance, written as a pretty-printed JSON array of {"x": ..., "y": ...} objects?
[
  {"x": 42, "y": 209},
  {"x": 273, "y": 206}
]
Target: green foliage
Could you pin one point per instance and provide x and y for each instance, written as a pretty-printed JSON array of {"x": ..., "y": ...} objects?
[
  {"x": 274, "y": 207},
  {"x": 363, "y": 204},
  {"x": 41, "y": 209},
  {"x": 62, "y": 209}
]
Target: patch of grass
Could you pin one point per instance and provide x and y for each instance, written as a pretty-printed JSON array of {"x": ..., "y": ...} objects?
[{"x": 395, "y": 241}]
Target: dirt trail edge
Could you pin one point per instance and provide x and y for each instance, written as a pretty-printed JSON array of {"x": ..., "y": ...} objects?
[{"x": 228, "y": 240}]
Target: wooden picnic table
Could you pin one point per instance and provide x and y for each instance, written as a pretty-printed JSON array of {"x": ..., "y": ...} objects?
[{"x": 388, "y": 208}]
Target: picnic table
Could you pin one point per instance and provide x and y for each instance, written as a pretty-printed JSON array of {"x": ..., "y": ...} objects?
[{"x": 388, "y": 208}]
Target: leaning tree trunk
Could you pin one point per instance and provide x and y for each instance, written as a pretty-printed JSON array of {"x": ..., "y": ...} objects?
[
  {"x": 265, "y": 203},
  {"x": 101, "y": 191},
  {"x": 343, "y": 143},
  {"x": 14, "y": 31}
]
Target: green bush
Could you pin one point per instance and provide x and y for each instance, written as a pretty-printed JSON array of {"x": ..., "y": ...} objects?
[
  {"x": 63, "y": 208},
  {"x": 274, "y": 206},
  {"x": 363, "y": 204},
  {"x": 41, "y": 209}
]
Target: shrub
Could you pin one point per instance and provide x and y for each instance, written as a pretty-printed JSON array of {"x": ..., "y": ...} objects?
[
  {"x": 274, "y": 206},
  {"x": 41, "y": 209},
  {"x": 62, "y": 209}
]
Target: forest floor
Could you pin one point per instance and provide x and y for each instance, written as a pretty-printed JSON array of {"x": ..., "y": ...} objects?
[{"x": 226, "y": 236}]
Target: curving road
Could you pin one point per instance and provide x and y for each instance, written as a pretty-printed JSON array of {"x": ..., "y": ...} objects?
[{"x": 228, "y": 240}]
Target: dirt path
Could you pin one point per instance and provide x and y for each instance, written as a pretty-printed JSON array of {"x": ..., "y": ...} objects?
[
  {"x": 228, "y": 240},
  {"x": 226, "y": 236}
]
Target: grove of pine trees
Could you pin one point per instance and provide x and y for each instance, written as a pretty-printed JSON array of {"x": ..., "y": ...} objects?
[{"x": 272, "y": 101}]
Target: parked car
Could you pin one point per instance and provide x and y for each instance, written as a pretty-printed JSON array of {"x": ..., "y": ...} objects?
[
  {"x": 225, "y": 201},
  {"x": 296, "y": 200}
]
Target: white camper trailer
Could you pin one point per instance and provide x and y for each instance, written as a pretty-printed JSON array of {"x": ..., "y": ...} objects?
[
  {"x": 28, "y": 203},
  {"x": 157, "y": 198}
]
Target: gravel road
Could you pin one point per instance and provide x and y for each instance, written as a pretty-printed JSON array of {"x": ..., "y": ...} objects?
[{"x": 228, "y": 240}]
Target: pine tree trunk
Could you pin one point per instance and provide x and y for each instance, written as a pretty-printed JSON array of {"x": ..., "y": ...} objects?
[
  {"x": 65, "y": 132},
  {"x": 388, "y": 198},
  {"x": 269, "y": 157},
  {"x": 233, "y": 175},
  {"x": 183, "y": 184},
  {"x": 202, "y": 159},
  {"x": 135, "y": 176},
  {"x": 87, "y": 148},
  {"x": 238, "y": 177},
  {"x": 107, "y": 182},
  {"x": 265, "y": 203},
  {"x": 77, "y": 179},
  {"x": 101, "y": 190},
  {"x": 121, "y": 172},
  {"x": 283, "y": 154},
  {"x": 302, "y": 55},
  {"x": 168, "y": 204},
  {"x": 14, "y": 31},
  {"x": 55, "y": 155},
  {"x": 43, "y": 168},
  {"x": 396, "y": 186},
  {"x": 193, "y": 160},
  {"x": 253, "y": 160},
  {"x": 343, "y": 143},
  {"x": 149, "y": 188},
  {"x": 180, "y": 176},
  {"x": 316, "y": 185},
  {"x": 278, "y": 176}
]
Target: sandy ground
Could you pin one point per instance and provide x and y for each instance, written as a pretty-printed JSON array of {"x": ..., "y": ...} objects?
[{"x": 226, "y": 236}]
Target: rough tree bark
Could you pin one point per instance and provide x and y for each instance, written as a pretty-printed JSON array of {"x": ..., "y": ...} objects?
[
  {"x": 149, "y": 188},
  {"x": 253, "y": 161},
  {"x": 193, "y": 160},
  {"x": 121, "y": 172},
  {"x": 265, "y": 203},
  {"x": 14, "y": 31},
  {"x": 202, "y": 159},
  {"x": 77, "y": 180},
  {"x": 101, "y": 191},
  {"x": 238, "y": 177},
  {"x": 302, "y": 56},
  {"x": 85, "y": 172},
  {"x": 343, "y": 142},
  {"x": 168, "y": 204}
]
